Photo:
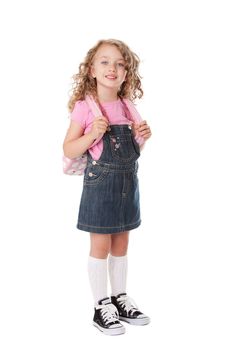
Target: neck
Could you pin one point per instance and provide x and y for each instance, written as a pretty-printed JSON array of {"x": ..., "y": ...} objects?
[{"x": 106, "y": 95}]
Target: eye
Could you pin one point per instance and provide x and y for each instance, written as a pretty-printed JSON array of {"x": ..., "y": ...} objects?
[
  {"x": 104, "y": 62},
  {"x": 121, "y": 65}
]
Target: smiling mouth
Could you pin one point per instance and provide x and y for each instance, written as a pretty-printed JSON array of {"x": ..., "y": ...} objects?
[{"x": 111, "y": 77}]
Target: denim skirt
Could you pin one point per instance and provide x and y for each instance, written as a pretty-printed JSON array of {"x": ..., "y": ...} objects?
[{"x": 110, "y": 195}]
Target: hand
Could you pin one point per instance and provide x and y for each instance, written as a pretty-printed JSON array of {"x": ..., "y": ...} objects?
[
  {"x": 99, "y": 127},
  {"x": 142, "y": 130}
]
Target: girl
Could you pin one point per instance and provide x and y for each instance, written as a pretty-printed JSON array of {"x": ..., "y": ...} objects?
[{"x": 109, "y": 206}]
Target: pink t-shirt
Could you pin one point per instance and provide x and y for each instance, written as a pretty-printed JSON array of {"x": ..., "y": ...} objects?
[{"x": 83, "y": 116}]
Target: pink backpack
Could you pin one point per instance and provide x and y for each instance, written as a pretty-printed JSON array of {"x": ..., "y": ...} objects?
[{"x": 76, "y": 166}]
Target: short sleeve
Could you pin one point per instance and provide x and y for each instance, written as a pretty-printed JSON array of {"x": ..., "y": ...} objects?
[{"x": 80, "y": 113}]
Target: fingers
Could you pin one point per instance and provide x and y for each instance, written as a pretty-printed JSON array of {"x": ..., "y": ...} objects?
[
  {"x": 142, "y": 126},
  {"x": 101, "y": 121},
  {"x": 144, "y": 122},
  {"x": 143, "y": 129},
  {"x": 102, "y": 118},
  {"x": 146, "y": 134},
  {"x": 99, "y": 126}
]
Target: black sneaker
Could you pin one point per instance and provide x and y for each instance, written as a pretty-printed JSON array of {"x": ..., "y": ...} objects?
[
  {"x": 106, "y": 318},
  {"x": 128, "y": 310}
]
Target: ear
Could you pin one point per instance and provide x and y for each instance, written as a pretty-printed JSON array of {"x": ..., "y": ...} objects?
[{"x": 92, "y": 71}]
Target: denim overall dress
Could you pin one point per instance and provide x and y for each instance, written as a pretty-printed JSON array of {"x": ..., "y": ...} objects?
[{"x": 110, "y": 196}]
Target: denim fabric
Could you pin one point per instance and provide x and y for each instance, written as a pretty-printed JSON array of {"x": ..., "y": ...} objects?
[{"x": 110, "y": 196}]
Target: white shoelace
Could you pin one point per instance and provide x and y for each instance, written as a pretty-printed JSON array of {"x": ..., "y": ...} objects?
[
  {"x": 109, "y": 313},
  {"x": 128, "y": 304}
]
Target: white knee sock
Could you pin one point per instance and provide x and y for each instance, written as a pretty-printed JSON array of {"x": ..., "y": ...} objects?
[
  {"x": 97, "y": 271},
  {"x": 118, "y": 273}
]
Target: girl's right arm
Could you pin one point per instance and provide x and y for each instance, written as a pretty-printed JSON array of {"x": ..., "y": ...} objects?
[{"x": 76, "y": 144}]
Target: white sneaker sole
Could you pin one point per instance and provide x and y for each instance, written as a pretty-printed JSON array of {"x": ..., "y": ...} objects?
[
  {"x": 136, "y": 321},
  {"x": 110, "y": 331}
]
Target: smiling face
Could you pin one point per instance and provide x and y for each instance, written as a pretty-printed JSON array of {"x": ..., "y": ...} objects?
[{"x": 108, "y": 68}]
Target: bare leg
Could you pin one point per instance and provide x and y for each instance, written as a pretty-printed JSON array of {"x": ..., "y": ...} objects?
[
  {"x": 119, "y": 243},
  {"x": 100, "y": 245}
]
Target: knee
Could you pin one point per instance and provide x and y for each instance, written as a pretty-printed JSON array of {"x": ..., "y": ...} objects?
[
  {"x": 119, "y": 251},
  {"x": 119, "y": 245},
  {"x": 99, "y": 252}
]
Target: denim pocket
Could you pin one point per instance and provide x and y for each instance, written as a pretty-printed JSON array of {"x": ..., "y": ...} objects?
[
  {"x": 123, "y": 147},
  {"x": 95, "y": 174}
]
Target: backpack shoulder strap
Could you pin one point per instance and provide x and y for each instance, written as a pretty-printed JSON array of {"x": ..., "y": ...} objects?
[
  {"x": 134, "y": 116},
  {"x": 133, "y": 112},
  {"x": 95, "y": 111},
  {"x": 93, "y": 105}
]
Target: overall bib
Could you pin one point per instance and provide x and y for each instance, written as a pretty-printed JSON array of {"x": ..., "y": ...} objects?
[{"x": 110, "y": 196}]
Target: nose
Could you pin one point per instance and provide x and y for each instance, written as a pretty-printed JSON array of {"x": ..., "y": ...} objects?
[{"x": 112, "y": 67}]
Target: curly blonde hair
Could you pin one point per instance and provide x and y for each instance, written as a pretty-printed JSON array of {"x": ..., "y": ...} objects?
[{"x": 84, "y": 83}]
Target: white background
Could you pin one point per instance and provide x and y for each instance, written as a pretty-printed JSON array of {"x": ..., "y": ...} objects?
[{"x": 180, "y": 259}]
